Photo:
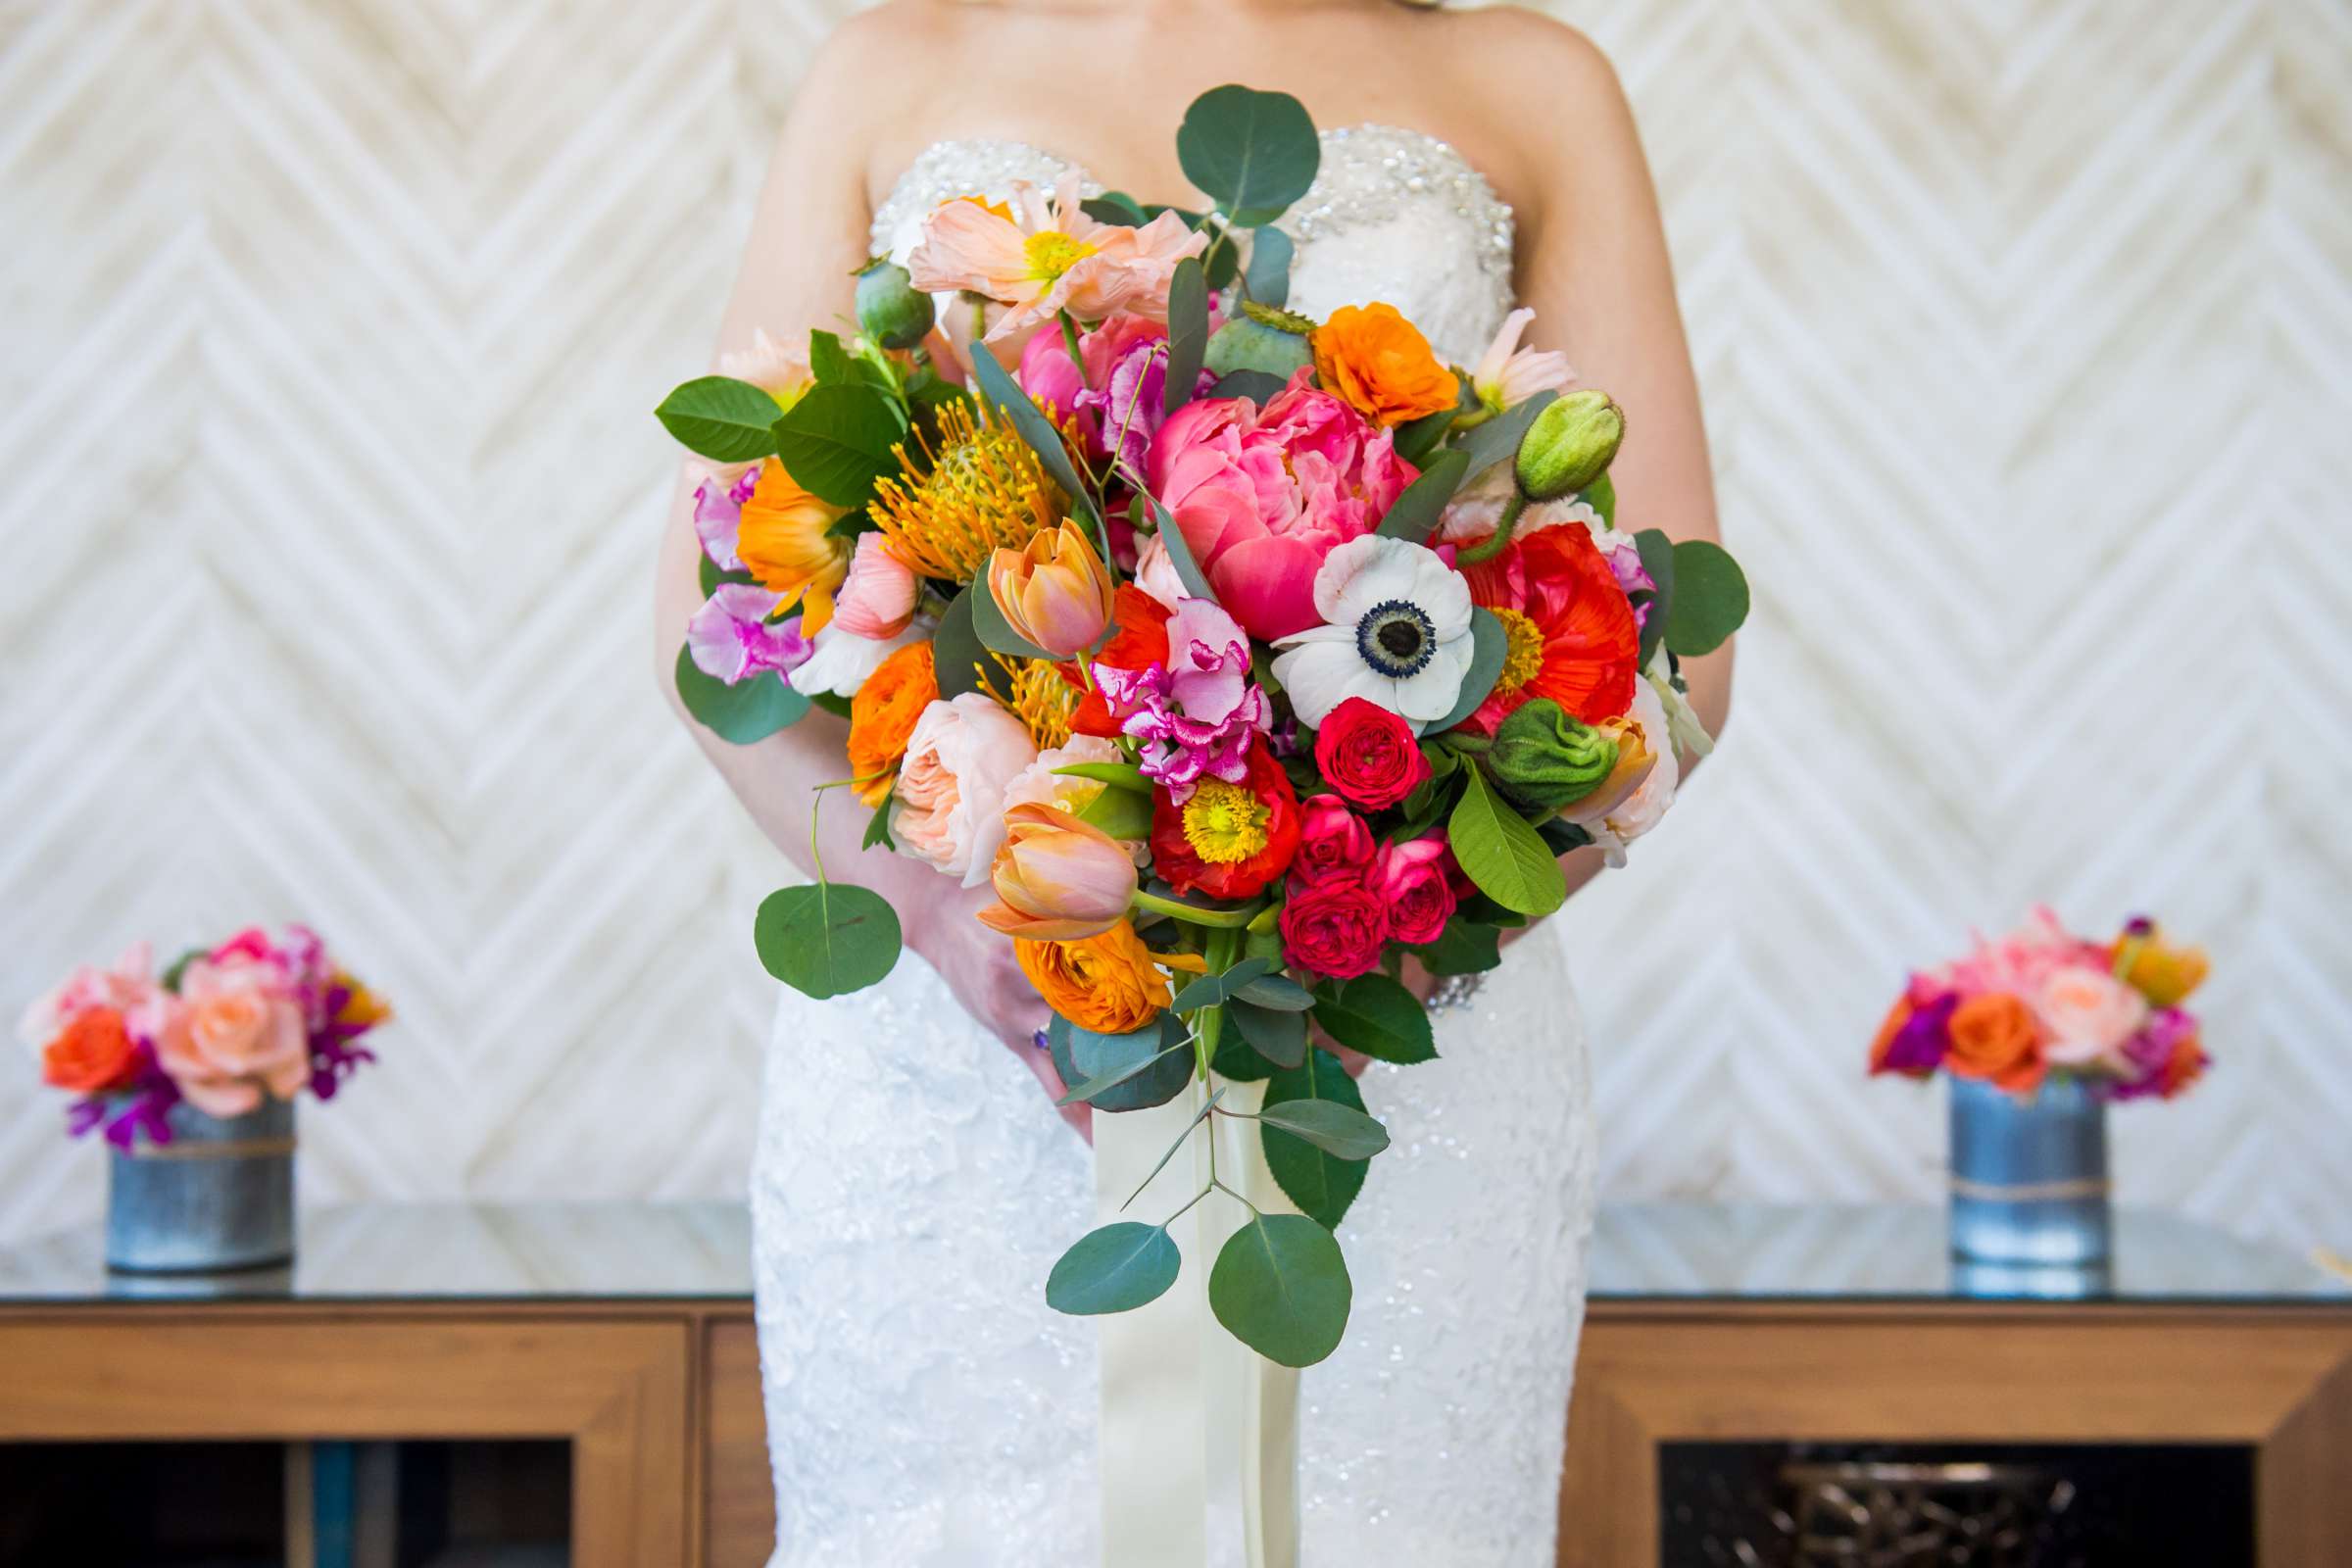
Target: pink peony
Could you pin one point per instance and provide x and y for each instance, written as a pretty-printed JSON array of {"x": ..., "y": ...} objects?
[
  {"x": 1333, "y": 841},
  {"x": 2019, "y": 963},
  {"x": 239, "y": 1030},
  {"x": 1263, "y": 495},
  {"x": 1411, "y": 880},
  {"x": 128, "y": 988},
  {"x": 961, "y": 759},
  {"x": 730, "y": 639}
]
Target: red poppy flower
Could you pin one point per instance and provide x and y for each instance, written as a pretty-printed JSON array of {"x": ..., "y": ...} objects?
[
  {"x": 1570, "y": 629},
  {"x": 1228, "y": 840},
  {"x": 1140, "y": 641}
]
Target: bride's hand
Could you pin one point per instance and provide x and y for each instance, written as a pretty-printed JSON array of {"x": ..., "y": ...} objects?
[{"x": 979, "y": 967}]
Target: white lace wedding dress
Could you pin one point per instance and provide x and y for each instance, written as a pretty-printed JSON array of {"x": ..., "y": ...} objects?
[{"x": 925, "y": 1407}]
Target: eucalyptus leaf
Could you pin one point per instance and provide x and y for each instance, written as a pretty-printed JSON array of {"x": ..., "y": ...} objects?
[
  {"x": 1416, "y": 439},
  {"x": 827, "y": 939},
  {"x": 712, "y": 578},
  {"x": 1280, "y": 1286},
  {"x": 836, "y": 441},
  {"x": 1335, "y": 1129},
  {"x": 958, "y": 661},
  {"x": 1414, "y": 515},
  {"x": 1207, "y": 990},
  {"x": 1121, "y": 1072},
  {"x": 993, "y": 630},
  {"x": 1188, "y": 332},
  {"x": 1255, "y": 153},
  {"x": 1180, "y": 553},
  {"x": 1223, "y": 257},
  {"x": 1115, "y": 1269},
  {"x": 1498, "y": 440},
  {"x": 1268, "y": 278},
  {"x": 1711, "y": 599},
  {"x": 1320, "y": 1184},
  {"x": 1276, "y": 992},
  {"x": 1657, "y": 559},
  {"x": 1560, "y": 835},
  {"x": 1498, "y": 851},
  {"x": 1031, "y": 425},
  {"x": 1601, "y": 496},
  {"x": 749, "y": 711},
  {"x": 1277, "y": 1036},
  {"x": 1378, "y": 1016},
  {"x": 721, "y": 418},
  {"x": 1489, "y": 646},
  {"x": 1241, "y": 1060},
  {"x": 1256, "y": 385},
  {"x": 1114, "y": 207}
]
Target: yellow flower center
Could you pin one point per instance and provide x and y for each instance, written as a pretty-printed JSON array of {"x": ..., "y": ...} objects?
[
  {"x": 1523, "y": 651},
  {"x": 1224, "y": 823},
  {"x": 1052, "y": 253}
]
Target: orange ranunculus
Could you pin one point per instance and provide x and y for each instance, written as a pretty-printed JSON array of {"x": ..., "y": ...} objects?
[
  {"x": 1110, "y": 983},
  {"x": 882, "y": 716},
  {"x": 1057, "y": 878},
  {"x": 1057, "y": 593},
  {"x": 1993, "y": 1037},
  {"x": 1379, "y": 362},
  {"x": 92, "y": 1052},
  {"x": 786, "y": 539},
  {"x": 2158, "y": 971}
]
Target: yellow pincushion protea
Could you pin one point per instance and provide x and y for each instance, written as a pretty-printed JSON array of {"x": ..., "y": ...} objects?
[
  {"x": 1041, "y": 699},
  {"x": 978, "y": 490}
]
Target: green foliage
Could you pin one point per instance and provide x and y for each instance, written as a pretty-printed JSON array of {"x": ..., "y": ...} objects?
[
  {"x": 1116, "y": 207},
  {"x": 1657, "y": 559},
  {"x": 958, "y": 661},
  {"x": 1256, "y": 385},
  {"x": 836, "y": 441},
  {"x": 1378, "y": 1016},
  {"x": 1121, "y": 1072},
  {"x": 1276, "y": 1035},
  {"x": 1601, "y": 496},
  {"x": 1489, "y": 646},
  {"x": 1209, "y": 990},
  {"x": 827, "y": 939},
  {"x": 1119, "y": 776},
  {"x": 706, "y": 573},
  {"x": 1711, "y": 599},
  {"x": 1336, "y": 1129},
  {"x": 1122, "y": 814},
  {"x": 1188, "y": 331},
  {"x": 1115, "y": 1269},
  {"x": 1239, "y": 1061},
  {"x": 1464, "y": 947},
  {"x": 1270, "y": 277},
  {"x": 1417, "y": 439},
  {"x": 1321, "y": 1184},
  {"x": 993, "y": 630},
  {"x": 1255, "y": 153},
  {"x": 1180, "y": 553},
  {"x": 1499, "y": 852},
  {"x": 721, "y": 418},
  {"x": 1499, "y": 438},
  {"x": 1281, "y": 1287},
  {"x": 748, "y": 710},
  {"x": 877, "y": 830},
  {"x": 1414, "y": 515}
]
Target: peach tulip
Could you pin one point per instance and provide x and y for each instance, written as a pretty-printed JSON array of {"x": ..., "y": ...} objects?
[
  {"x": 1057, "y": 593},
  {"x": 1057, "y": 878}
]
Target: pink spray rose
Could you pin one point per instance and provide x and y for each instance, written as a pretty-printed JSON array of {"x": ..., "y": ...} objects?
[
  {"x": 1333, "y": 841},
  {"x": 1263, "y": 495},
  {"x": 128, "y": 989},
  {"x": 1411, "y": 880}
]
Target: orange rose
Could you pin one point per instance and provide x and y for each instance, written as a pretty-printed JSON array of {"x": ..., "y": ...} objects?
[
  {"x": 92, "y": 1054},
  {"x": 1110, "y": 983},
  {"x": 1379, "y": 363},
  {"x": 882, "y": 716},
  {"x": 1993, "y": 1037},
  {"x": 787, "y": 541}
]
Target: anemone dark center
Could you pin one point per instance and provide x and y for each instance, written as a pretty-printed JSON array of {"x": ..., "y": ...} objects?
[{"x": 1396, "y": 638}]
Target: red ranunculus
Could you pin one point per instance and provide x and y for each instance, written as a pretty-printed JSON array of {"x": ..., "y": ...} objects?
[
  {"x": 1334, "y": 927},
  {"x": 1226, "y": 840},
  {"x": 1369, "y": 756},
  {"x": 1410, "y": 879},
  {"x": 1140, "y": 641},
  {"x": 1333, "y": 841}
]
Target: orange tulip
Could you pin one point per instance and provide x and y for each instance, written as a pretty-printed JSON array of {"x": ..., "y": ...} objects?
[
  {"x": 1057, "y": 878},
  {"x": 1057, "y": 593},
  {"x": 2164, "y": 974}
]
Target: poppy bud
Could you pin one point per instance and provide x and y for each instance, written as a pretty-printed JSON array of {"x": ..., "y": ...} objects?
[
  {"x": 1569, "y": 444},
  {"x": 891, "y": 310}
]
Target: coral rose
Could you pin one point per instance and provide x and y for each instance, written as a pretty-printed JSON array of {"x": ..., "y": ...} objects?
[
  {"x": 883, "y": 716},
  {"x": 236, "y": 1035},
  {"x": 1111, "y": 983},
  {"x": 1381, "y": 366},
  {"x": 961, "y": 756},
  {"x": 92, "y": 1054},
  {"x": 1993, "y": 1037}
]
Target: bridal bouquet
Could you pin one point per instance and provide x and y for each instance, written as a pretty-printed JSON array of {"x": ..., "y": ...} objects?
[
  {"x": 263, "y": 1013},
  {"x": 2041, "y": 1002},
  {"x": 1246, "y": 655}
]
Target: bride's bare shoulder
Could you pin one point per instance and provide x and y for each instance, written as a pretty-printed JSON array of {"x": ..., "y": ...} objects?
[{"x": 1506, "y": 45}]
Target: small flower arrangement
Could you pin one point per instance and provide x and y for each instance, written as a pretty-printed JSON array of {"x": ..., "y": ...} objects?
[
  {"x": 260, "y": 1014},
  {"x": 1244, "y": 656},
  {"x": 2040, "y": 1002}
]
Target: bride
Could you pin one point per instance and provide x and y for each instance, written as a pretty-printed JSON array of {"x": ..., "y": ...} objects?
[{"x": 913, "y": 1183}]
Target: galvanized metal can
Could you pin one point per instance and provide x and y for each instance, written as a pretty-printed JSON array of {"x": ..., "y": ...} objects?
[
  {"x": 2028, "y": 1174},
  {"x": 219, "y": 1196}
]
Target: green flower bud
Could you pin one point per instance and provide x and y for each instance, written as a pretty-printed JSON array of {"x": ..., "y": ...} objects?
[
  {"x": 1544, "y": 758},
  {"x": 1570, "y": 444},
  {"x": 891, "y": 310},
  {"x": 1249, "y": 342}
]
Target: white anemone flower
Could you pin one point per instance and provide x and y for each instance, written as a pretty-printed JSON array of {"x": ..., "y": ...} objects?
[
  {"x": 1396, "y": 632},
  {"x": 843, "y": 659}
]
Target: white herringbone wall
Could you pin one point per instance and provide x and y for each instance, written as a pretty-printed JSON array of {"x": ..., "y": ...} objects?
[{"x": 327, "y": 490}]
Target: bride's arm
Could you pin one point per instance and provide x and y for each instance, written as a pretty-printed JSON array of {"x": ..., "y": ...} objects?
[{"x": 809, "y": 235}]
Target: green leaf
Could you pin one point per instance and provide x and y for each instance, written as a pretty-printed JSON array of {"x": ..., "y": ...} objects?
[
  {"x": 1257, "y": 386},
  {"x": 1180, "y": 553},
  {"x": 1416, "y": 439},
  {"x": 1711, "y": 599},
  {"x": 1280, "y": 1286},
  {"x": 1031, "y": 425},
  {"x": 1120, "y": 775},
  {"x": 1560, "y": 835},
  {"x": 1601, "y": 496},
  {"x": 1489, "y": 646},
  {"x": 1115, "y": 1269},
  {"x": 826, "y": 939},
  {"x": 1657, "y": 559},
  {"x": 993, "y": 630},
  {"x": 170, "y": 978},
  {"x": 1207, "y": 991},
  {"x": 1254, "y": 152},
  {"x": 877, "y": 831},
  {"x": 1114, "y": 207},
  {"x": 1414, "y": 516},
  {"x": 958, "y": 662},
  {"x": 723, "y": 418},
  {"x": 1239, "y": 1061},
  {"x": 1277, "y": 991},
  {"x": 1188, "y": 332},
  {"x": 1320, "y": 1184},
  {"x": 828, "y": 360},
  {"x": 1121, "y": 1072},
  {"x": 1122, "y": 814},
  {"x": 748, "y": 710},
  {"x": 1335, "y": 1129},
  {"x": 1378, "y": 1016},
  {"x": 1269, "y": 275},
  {"x": 1277, "y": 1035},
  {"x": 1499, "y": 438},
  {"x": 713, "y": 579},
  {"x": 1223, "y": 257},
  {"x": 1497, "y": 849},
  {"x": 1464, "y": 947},
  {"x": 836, "y": 441},
  {"x": 831, "y": 702}
]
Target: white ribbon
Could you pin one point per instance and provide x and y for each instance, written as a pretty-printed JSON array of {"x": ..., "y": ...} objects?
[{"x": 1197, "y": 1428}]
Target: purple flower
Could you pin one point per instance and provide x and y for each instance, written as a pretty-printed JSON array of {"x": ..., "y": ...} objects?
[
  {"x": 719, "y": 516},
  {"x": 2147, "y": 1053},
  {"x": 1197, "y": 713},
  {"x": 730, "y": 638},
  {"x": 1132, "y": 405},
  {"x": 1920, "y": 1043},
  {"x": 1625, "y": 565},
  {"x": 124, "y": 1114}
]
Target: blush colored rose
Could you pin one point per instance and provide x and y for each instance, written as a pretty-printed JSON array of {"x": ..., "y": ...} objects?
[
  {"x": 235, "y": 1036},
  {"x": 1333, "y": 841},
  {"x": 1369, "y": 756},
  {"x": 2087, "y": 1015},
  {"x": 1334, "y": 927},
  {"x": 1410, "y": 879},
  {"x": 961, "y": 756}
]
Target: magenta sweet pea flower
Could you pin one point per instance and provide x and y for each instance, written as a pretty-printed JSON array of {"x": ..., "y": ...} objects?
[
  {"x": 730, "y": 639},
  {"x": 1197, "y": 713},
  {"x": 719, "y": 516}
]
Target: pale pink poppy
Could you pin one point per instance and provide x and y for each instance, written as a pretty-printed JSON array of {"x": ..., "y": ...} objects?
[{"x": 877, "y": 599}]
